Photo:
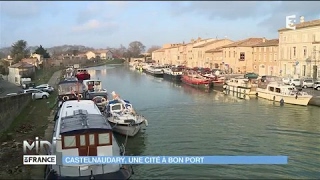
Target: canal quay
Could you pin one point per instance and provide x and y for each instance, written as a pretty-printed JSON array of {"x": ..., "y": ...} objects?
[{"x": 186, "y": 121}]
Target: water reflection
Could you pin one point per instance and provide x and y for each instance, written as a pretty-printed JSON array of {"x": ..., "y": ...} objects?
[{"x": 135, "y": 146}]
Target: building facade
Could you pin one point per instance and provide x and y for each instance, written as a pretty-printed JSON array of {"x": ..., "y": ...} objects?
[
  {"x": 265, "y": 58},
  {"x": 238, "y": 56},
  {"x": 299, "y": 50}
]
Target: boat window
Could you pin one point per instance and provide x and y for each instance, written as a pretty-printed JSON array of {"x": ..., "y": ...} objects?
[
  {"x": 97, "y": 83},
  {"x": 278, "y": 90},
  {"x": 83, "y": 140},
  {"x": 69, "y": 141},
  {"x": 104, "y": 139},
  {"x": 116, "y": 107},
  {"x": 290, "y": 89},
  {"x": 91, "y": 139},
  {"x": 271, "y": 89}
]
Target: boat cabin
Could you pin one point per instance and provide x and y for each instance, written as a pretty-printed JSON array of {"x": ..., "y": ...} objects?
[
  {"x": 82, "y": 74},
  {"x": 93, "y": 85},
  {"x": 116, "y": 106},
  {"x": 69, "y": 90},
  {"x": 284, "y": 89},
  {"x": 81, "y": 130}
]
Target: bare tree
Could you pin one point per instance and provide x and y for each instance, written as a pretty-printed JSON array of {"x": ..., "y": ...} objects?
[
  {"x": 135, "y": 49},
  {"x": 153, "y": 48}
]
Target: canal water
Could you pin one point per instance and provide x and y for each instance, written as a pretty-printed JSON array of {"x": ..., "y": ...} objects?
[{"x": 186, "y": 121}]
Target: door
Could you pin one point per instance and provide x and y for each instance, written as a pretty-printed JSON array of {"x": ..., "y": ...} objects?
[
  {"x": 262, "y": 70},
  {"x": 87, "y": 145}
]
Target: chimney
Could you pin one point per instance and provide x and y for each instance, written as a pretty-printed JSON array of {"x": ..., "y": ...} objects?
[
  {"x": 301, "y": 19},
  {"x": 263, "y": 39}
]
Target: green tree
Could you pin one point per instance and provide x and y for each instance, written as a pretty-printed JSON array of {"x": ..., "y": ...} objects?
[
  {"x": 40, "y": 50},
  {"x": 19, "y": 50},
  {"x": 4, "y": 67}
]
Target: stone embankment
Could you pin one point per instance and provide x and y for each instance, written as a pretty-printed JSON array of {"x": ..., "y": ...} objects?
[{"x": 10, "y": 108}]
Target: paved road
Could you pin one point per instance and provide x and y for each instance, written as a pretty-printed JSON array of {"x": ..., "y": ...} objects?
[
  {"x": 8, "y": 87},
  {"x": 312, "y": 92}
]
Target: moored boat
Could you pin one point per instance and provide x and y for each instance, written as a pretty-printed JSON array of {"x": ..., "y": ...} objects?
[
  {"x": 242, "y": 86},
  {"x": 172, "y": 74},
  {"x": 194, "y": 79},
  {"x": 123, "y": 118},
  {"x": 69, "y": 89},
  {"x": 81, "y": 130},
  {"x": 155, "y": 71},
  {"x": 82, "y": 74},
  {"x": 94, "y": 91},
  {"x": 284, "y": 94}
]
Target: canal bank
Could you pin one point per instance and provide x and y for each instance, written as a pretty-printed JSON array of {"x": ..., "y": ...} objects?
[
  {"x": 187, "y": 121},
  {"x": 31, "y": 122}
]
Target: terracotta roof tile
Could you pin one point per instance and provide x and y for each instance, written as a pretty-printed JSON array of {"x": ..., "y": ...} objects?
[
  {"x": 304, "y": 25},
  {"x": 272, "y": 42},
  {"x": 208, "y": 43},
  {"x": 22, "y": 65},
  {"x": 219, "y": 49},
  {"x": 245, "y": 43}
]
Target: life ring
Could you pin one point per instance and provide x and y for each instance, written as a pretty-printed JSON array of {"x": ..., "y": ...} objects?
[
  {"x": 65, "y": 98},
  {"x": 103, "y": 100},
  {"x": 274, "y": 98},
  {"x": 80, "y": 96}
]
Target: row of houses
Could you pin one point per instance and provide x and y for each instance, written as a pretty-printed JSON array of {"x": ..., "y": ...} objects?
[
  {"x": 27, "y": 66},
  {"x": 294, "y": 53}
]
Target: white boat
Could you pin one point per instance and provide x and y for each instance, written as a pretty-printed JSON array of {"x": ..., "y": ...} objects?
[
  {"x": 123, "y": 118},
  {"x": 155, "y": 71},
  {"x": 284, "y": 93},
  {"x": 92, "y": 87},
  {"x": 242, "y": 86},
  {"x": 81, "y": 130}
]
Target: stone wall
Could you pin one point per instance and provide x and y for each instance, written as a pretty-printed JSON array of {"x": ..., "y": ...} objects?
[{"x": 10, "y": 108}]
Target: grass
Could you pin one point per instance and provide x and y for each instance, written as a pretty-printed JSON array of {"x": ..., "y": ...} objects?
[{"x": 31, "y": 122}]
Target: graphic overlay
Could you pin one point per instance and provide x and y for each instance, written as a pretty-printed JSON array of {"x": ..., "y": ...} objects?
[
  {"x": 290, "y": 22},
  {"x": 218, "y": 160},
  {"x": 32, "y": 151}
]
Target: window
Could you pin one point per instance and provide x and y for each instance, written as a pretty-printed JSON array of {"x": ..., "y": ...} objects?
[
  {"x": 234, "y": 54},
  {"x": 275, "y": 56},
  {"x": 229, "y": 54},
  {"x": 91, "y": 140},
  {"x": 69, "y": 142},
  {"x": 264, "y": 57},
  {"x": 304, "y": 51},
  {"x": 271, "y": 89},
  {"x": 116, "y": 107},
  {"x": 259, "y": 56},
  {"x": 294, "y": 51},
  {"x": 278, "y": 90},
  {"x": 242, "y": 56},
  {"x": 83, "y": 140},
  {"x": 104, "y": 139},
  {"x": 270, "y": 57}
]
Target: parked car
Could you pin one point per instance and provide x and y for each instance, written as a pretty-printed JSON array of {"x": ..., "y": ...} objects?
[
  {"x": 12, "y": 94},
  {"x": 307, "y": 83},
  {"x": 37, "y": 94},
  {"x": 286, "y": 80},
  {"x": 316, "y": 85},
  {"x": 251, "y": 76},
  {"x": 295, "y": 82},
  {"x": 45, "y": 88}
]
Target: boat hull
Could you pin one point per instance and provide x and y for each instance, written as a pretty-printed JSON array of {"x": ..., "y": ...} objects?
[
  {"x": 302, "y": 101},
  {"x": 124, "y": 173},
  {"x": 160, "y": 75},
  {"x": 170, "y": 77},
  {"x": 125, "y": 129},
  {"x": 208, "y": 85},
  {"x": 238, "y": 89}
]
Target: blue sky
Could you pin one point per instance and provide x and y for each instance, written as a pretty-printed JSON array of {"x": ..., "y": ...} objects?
[{"x": 111, "y": 23}]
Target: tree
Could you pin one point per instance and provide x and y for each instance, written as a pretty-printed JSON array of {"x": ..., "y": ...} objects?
[
  {"x": 19, "y": 50},
  {"x": 41, "y": 51},
  {"x": 118, "y": 52},
  {"x": 4, "y": 67},
  {"x": 153, "y": 48},
  {"x": 135, "y": 49}
]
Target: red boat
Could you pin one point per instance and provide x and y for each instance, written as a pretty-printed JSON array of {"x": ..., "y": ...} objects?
[
  {"x": 194, "y": 79},
  {"x": 82, "y": 74}
]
